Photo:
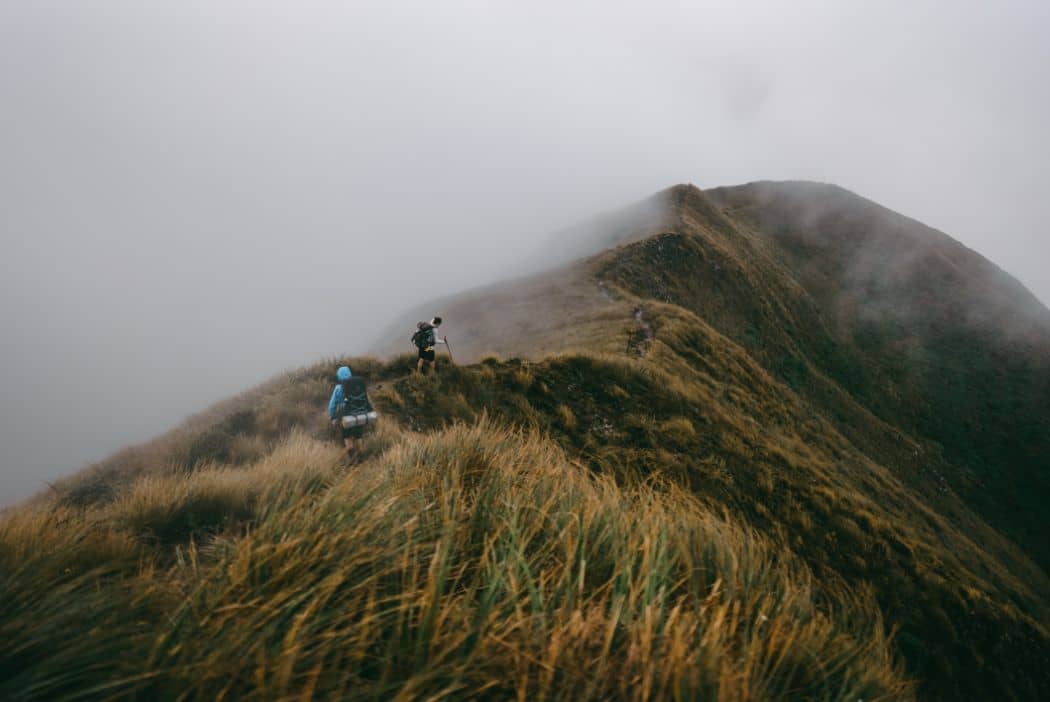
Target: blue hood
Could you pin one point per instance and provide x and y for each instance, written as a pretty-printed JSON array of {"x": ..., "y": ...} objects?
[{"x": 343, "y": 374}]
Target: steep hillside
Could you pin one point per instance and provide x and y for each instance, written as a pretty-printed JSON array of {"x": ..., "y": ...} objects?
[
  {"x": 680, "y": 480},
  {"x": 473, "y": 560},
  {"x": 939, "y": 378},
  {"x": 912, "y": 345},
  {"x": 952, "y": 348}
]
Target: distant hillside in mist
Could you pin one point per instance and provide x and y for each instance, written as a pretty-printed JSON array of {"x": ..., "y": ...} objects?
[
  {"x": 848, "y": 302},
  {"x": 771, "y": 441}
]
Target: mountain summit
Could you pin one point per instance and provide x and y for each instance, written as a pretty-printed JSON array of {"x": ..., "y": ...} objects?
[
  {"x": 771, "y": 441},
  {"x": 858, "y": 309}
]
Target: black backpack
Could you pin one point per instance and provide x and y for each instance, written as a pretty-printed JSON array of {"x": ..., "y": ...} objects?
[
  {"x": 424, "y": 335},
  {"x": 355, "y": 397}
]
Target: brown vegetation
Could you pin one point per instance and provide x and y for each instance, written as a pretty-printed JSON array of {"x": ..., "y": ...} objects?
[
  {"x": 473, "y": 561},
  {"x": 756, "y": 495}
]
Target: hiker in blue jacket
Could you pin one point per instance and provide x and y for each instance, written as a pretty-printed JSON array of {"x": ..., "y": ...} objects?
[{"x": 349, "y": 397}]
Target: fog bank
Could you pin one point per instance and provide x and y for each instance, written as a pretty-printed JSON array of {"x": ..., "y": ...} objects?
[{"x": 196, "y": 195}]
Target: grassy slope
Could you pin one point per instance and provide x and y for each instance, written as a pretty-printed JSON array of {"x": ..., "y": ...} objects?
[
  {"x": 472, "y": 561},
  {"x": 563, "y": 309},
  {"x": 740, "y": 440},
  {"x": 928, "y": 335},
  {"x": 741, "y": 408},
  {"x": 725, "y": 259},
  {"x": 678, "y": 420},
  {"x": 738, "y": 282}
]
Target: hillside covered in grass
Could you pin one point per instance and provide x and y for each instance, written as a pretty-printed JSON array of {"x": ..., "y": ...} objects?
[
  {"x": 691, "y": 466},
  {"x": 472, "y": 561}
]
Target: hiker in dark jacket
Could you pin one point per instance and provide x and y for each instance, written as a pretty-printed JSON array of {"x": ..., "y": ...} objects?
[
  {"x": 350, "y": 410},
  {"x": 426, "y": 339}
]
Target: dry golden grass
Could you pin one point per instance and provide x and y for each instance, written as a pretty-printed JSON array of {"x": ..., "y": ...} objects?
[
  {"x": 235, "y": 556},
  {"x": 759, "y": 450},
  {"x": 740, "y": 400},
  {"x": 473, "y": 561}
]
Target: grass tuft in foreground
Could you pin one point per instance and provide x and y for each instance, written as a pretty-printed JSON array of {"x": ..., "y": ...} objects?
[{"x": 473, "y": 561}]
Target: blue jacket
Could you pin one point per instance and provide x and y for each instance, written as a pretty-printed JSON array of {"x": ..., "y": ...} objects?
[{"x": 336, "y": 403}]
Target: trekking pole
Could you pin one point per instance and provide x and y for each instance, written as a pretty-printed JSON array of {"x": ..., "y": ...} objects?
[{"x": 448, "y": 348}]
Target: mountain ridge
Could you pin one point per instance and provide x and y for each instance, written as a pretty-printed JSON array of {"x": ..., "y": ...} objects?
[
  {"x": 748, "y": 288},
  {"x": 703, "y": 358}
]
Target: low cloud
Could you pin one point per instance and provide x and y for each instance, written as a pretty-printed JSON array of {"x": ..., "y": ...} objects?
[{"x": 197, "y": 195}]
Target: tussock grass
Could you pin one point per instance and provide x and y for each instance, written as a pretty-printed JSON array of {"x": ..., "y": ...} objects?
[
  {"x": 472, "y": 561},
  {"x": 238, "y": 431},
  {"x": 235, "y": 556},
  {"x": 758, "y": 450},
  {"x": 65, "y": 605},
  {"x": 697, "y": 413}
]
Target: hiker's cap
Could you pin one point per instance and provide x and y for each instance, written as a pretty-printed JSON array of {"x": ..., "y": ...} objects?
[{"x": 343, "y": 373}]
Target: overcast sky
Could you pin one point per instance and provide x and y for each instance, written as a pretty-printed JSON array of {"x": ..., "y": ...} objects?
[{"x": 195, "y": 195}]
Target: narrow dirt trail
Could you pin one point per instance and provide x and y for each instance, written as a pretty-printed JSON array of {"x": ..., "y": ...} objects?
[{"x": 642, "y": 337}]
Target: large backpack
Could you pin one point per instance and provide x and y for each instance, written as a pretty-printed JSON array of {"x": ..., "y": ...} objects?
[
  {"x": 357, "y": 410},
  {"x": 423, "y": 338}
]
